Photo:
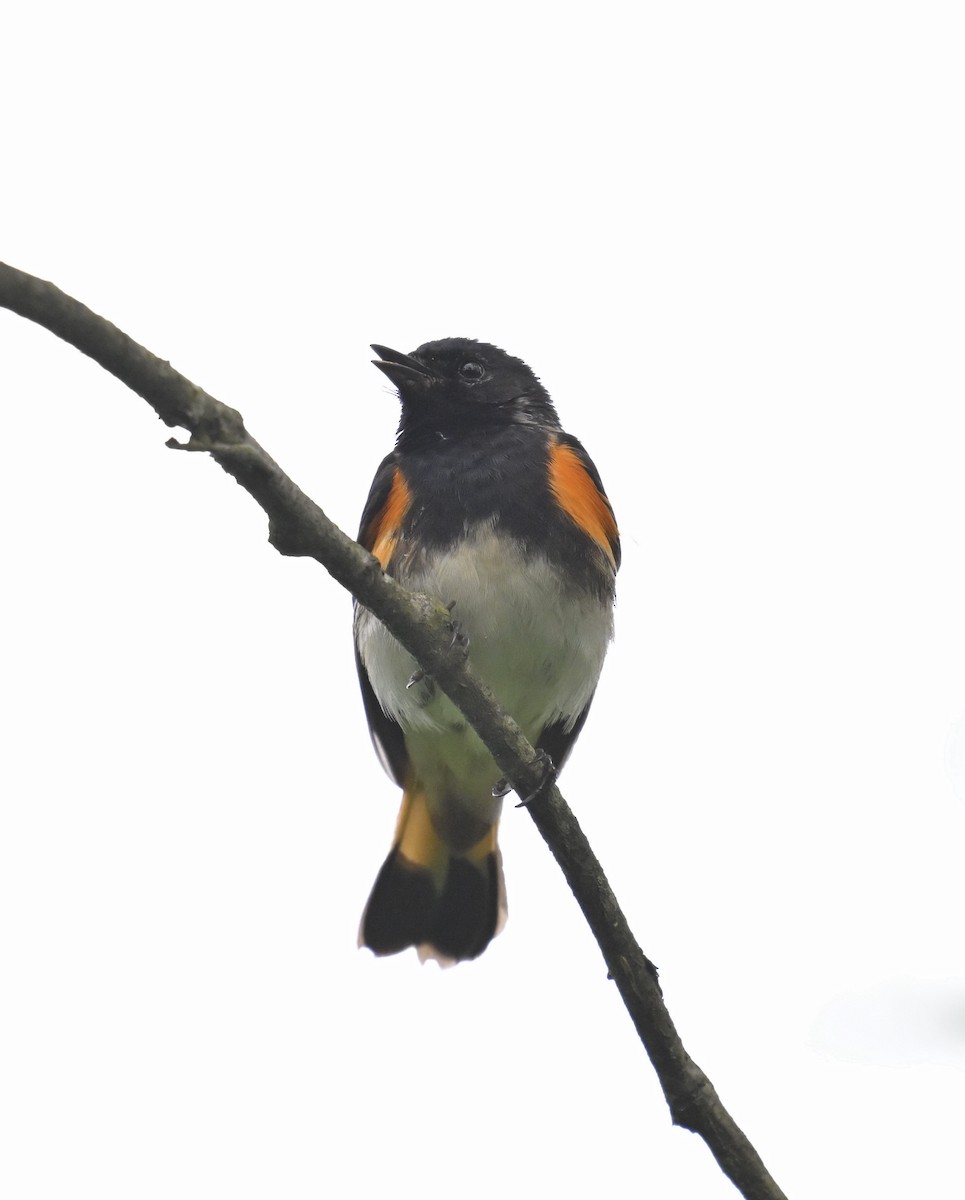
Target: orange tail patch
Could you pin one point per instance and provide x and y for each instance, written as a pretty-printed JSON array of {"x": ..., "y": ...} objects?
[{"x": 450, "y": 906}]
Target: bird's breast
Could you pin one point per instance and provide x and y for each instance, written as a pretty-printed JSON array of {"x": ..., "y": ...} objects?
[{"x": 536, "y": 637}]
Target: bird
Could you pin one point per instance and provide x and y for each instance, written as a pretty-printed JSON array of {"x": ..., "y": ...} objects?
[{"x": 487, "y": 504}]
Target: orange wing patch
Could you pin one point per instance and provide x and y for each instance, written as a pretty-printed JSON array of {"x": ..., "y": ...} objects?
[
  {"x": 580, "y": 498},
  {"x": 382, "y": 533}
]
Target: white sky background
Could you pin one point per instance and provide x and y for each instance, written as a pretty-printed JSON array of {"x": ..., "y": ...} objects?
[{"x": 729, "y": 238}]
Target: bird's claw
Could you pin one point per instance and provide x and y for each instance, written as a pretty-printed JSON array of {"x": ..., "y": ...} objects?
[
  {"x": 549, "y": 778},
  {"x": 459, "y": 637}
]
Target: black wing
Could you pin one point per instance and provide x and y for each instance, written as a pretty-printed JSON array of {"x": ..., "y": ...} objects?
[{"x": 557, "y": 741}]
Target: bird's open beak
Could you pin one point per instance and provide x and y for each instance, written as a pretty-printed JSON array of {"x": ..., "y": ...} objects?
[{"x": 400, "y": 368}]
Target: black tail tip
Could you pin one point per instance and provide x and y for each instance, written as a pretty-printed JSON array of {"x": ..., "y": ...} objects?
[{"x": 406, "y": 908}]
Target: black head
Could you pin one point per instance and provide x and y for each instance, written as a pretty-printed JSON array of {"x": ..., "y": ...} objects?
[{"x": 459, "y": 384}]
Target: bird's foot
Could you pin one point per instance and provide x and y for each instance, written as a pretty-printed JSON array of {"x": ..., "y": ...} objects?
[{"x": 549, "y": 778}]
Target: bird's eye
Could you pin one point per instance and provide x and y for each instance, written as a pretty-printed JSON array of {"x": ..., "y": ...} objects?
[{"x": 472, "y": 371}]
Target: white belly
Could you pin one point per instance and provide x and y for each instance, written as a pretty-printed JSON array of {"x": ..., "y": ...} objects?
[{"x": 539, "y": 650}]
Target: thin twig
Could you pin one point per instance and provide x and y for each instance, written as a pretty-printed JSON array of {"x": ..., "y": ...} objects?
[{"x": 297, "y": 526}]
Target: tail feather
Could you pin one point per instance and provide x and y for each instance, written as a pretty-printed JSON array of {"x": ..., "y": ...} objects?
[
  {"x": 466, "y": 917},
  {"x": 400, "y": 907},
  {"x": 448, "y": 905}
]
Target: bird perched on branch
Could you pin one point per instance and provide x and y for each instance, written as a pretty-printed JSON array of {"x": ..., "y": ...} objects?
[{"x": 488, "y": 505}]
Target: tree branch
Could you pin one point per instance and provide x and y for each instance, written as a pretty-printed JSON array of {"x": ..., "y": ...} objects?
[{"x": 297, "y": 526}]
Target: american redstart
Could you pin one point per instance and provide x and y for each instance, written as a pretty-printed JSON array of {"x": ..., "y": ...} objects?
[{"x": 486, "y": 504}]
